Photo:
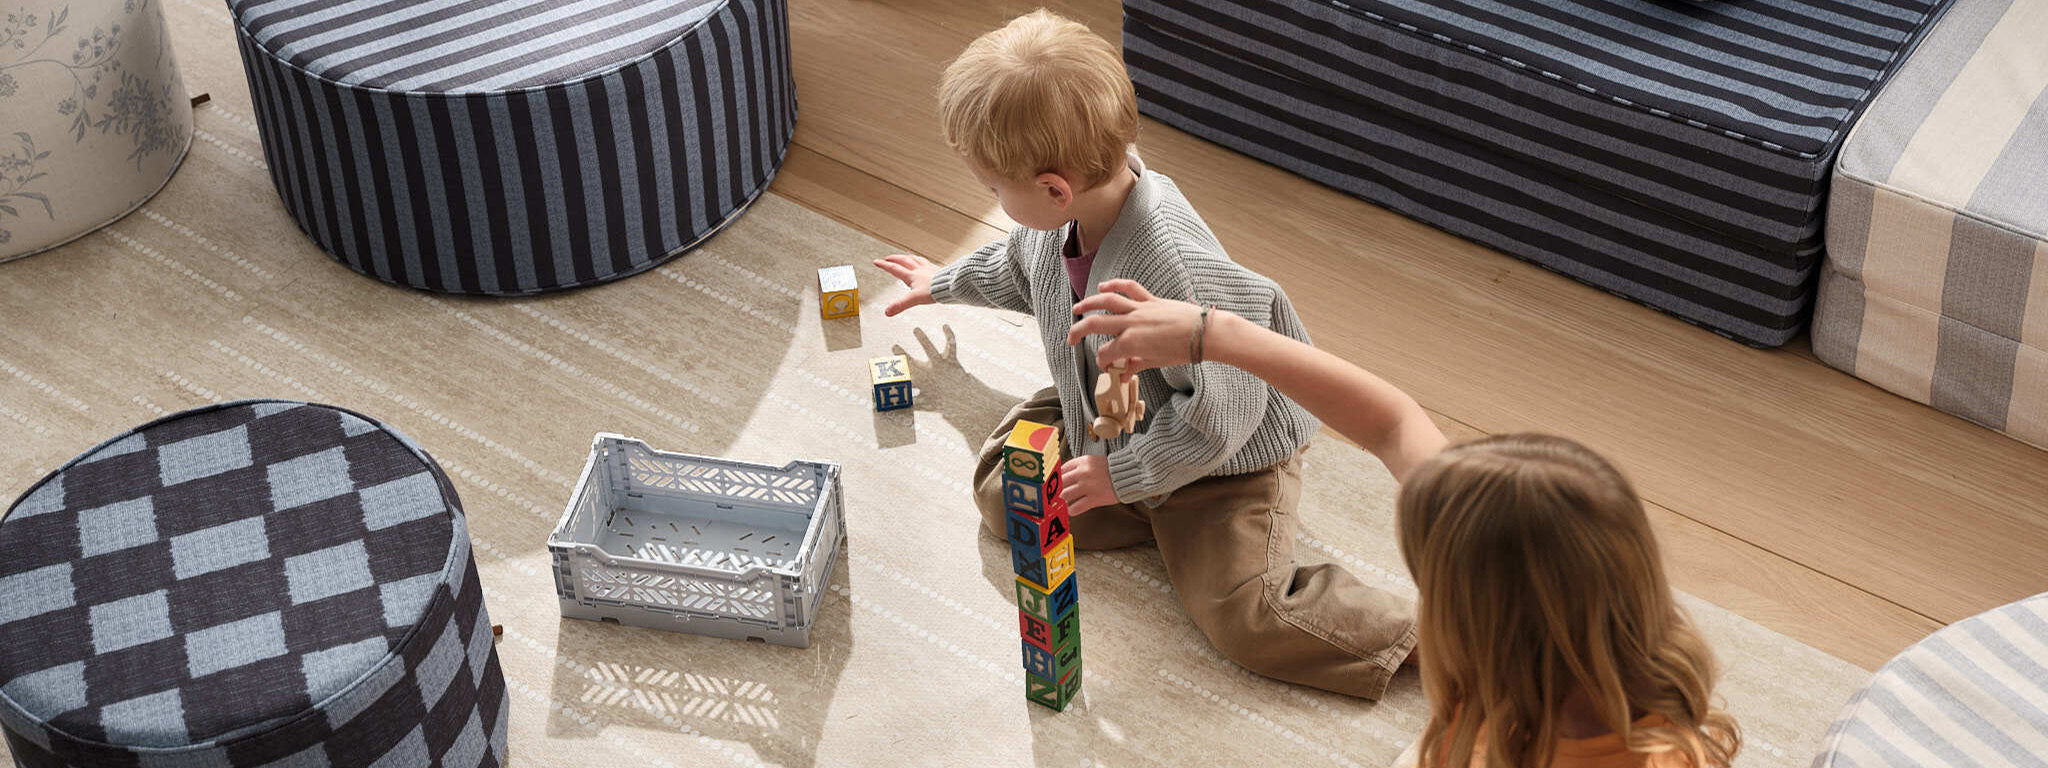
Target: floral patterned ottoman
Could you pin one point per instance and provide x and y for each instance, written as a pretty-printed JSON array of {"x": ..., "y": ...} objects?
[{"x": 93, "y": 117}]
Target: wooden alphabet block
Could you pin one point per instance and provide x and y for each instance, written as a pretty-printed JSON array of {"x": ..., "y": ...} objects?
[
  {"x": 1029, "y": 563},
  {"x": 1024, "y": 497},
  {"x": 1043, "y": 692},
  {"x": 1053, "y": 695},
  {"x": 1025, "y": 529},
  {"x": 1066, "y": 659},
  {"x": 1066, "y": 629},
  {"x": 1053, "y": 529},
  {"x": 838, "y": 292},
  {"x": 1064, "y": 596},
  {"x": 1032, "y": 452},
  {"x": 1070, "y": 687},
  {"x": 1035, "y": 631},
  {"x": 1041, "y": 662},
  {"x": 890, "y": 376},
  {"x": 1059, "y": 562},
  {"x": 1034, "y": 601}
]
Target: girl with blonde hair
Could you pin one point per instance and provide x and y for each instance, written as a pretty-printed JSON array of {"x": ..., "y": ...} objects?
[{"x": 1548, "y": 634}]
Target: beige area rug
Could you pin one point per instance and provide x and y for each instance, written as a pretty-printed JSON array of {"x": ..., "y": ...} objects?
[{"x": 210, "y": 293}]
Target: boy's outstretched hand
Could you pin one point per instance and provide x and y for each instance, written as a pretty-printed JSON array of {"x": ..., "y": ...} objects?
[
  {"x": 1086, "y": 484},
  {"x": 916, "y": 273},
  {"x": 1145, "y": 331}
]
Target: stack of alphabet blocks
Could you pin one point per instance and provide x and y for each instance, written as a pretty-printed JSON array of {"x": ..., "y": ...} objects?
[{"x": 1042, "y": 552}]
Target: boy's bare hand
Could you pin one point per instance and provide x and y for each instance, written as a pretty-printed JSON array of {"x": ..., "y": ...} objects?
[
  {"x": 1145, "y": 331},
  {"x": 916, "y": 273},
  {"x": 1086, "y": 484}
]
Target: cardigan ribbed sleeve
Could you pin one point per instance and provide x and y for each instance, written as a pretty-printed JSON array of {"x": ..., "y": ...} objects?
[{"x": 988, "y": 277}]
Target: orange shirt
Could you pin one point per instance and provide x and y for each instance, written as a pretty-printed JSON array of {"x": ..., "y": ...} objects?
[{"x": 1597, "y": 752}]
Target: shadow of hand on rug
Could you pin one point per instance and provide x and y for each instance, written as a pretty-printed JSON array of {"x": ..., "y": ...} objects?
[
  {"x": 653, "y": 686},
  {"x": 945, "y": 387}
]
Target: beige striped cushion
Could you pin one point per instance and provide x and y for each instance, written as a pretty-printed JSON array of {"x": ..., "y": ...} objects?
[{"x": 1936, "y": 285}]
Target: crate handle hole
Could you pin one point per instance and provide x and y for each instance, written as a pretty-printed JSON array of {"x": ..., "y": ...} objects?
[
  {"x": 756, "y": 639},
  {"x": 608, "y": 620}
]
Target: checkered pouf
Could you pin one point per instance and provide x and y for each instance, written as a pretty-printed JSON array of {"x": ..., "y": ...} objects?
[{"x": 260, "y": 583}]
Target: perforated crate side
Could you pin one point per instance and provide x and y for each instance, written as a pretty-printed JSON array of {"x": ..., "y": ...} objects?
[
  {"x": 776, "y": 604},
  {"x": 639, "y": 470}
]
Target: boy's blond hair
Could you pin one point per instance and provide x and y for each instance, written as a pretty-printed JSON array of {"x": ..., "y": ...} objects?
[{"x": 1042, "y": 94}]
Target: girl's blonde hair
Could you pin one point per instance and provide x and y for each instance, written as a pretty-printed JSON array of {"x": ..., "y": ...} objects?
[
  {"x": 1539, "y": 578},
  {"x": 1040, "y": 95}
]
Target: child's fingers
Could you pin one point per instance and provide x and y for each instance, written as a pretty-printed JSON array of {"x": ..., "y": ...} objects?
[
  {"x": 1129, "y": 288},
  {"x": 895, "y": 270},
  {"x": 1116, "y": 303},
  {"x": 1097, "y": 325}
]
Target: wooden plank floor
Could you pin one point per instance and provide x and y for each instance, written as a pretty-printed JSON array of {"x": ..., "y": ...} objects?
[{"x": 1798, "y": 496}]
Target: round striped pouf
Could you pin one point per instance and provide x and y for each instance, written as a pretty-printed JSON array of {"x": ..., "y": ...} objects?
[
  {"x": 510, "y": 147},
  {"x": 263, "y": 583}
]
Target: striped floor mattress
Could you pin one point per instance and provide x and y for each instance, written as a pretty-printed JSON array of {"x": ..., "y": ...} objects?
[{"x": 1674, "y": 153}]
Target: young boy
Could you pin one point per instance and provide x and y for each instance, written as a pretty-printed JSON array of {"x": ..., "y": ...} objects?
[{"x": 1045, "y": 116}]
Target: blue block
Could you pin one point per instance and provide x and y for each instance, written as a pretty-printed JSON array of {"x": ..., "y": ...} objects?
[
  {"x": 1039, "y": 661},
  {"x": 1024, "y": 529},
  {"x": 1021, "y": 495},
  {"x": 892, "y": 395},
  {"x": 1067, "y": 596},
  {"x": 1029, "y": 563}
]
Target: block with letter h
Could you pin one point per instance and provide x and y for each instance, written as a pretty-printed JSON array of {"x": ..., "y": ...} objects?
[
  {"x": 1042, "y": 554},
  {"x": 890, "y": 375}
]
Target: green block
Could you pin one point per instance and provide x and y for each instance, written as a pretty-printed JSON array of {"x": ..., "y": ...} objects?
[
  {"x": 1051, "y": 695},
  {"x": 1067, "y": 629},
  {"x": 1067, "y": 658}
]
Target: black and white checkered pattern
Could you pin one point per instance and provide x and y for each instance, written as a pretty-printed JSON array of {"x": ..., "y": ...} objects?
[{"x": 252, "y": 584}]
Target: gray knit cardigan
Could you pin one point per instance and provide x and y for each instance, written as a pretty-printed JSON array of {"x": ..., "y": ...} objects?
[{"x": 1201, "y": 420}]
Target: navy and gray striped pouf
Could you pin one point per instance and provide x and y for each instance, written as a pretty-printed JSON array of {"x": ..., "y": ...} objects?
[
  {"x": 263, "y": 583},
  {"x": 1673, "y": 153},
  {"x": 510, "y": 147}
]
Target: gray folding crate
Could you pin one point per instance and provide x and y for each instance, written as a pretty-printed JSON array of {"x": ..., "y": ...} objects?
[{"x": 697, "y": 544}]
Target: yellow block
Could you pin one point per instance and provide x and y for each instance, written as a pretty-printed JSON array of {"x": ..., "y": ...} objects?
[
  {"x": 888, "y": 369},
  {"x": 1059, "y": 562},
  {"x": 1033, "y": 451},
  {"x": 838, "y": 292}
]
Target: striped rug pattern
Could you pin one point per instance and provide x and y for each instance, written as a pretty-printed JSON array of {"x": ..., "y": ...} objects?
[
  {"x": 1673, "y": 153},
  {"x": 498, "y": 162},
  {"x": 1936, "y": 283},
  {"x": 208, "y": 294}
]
